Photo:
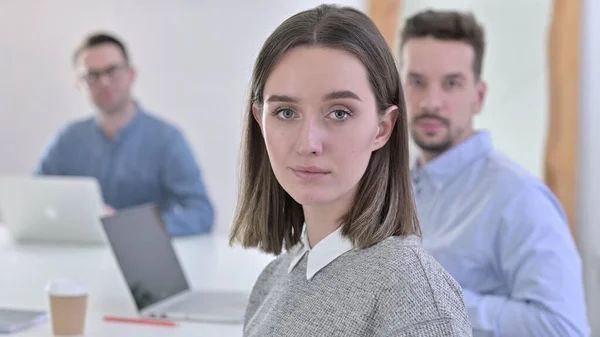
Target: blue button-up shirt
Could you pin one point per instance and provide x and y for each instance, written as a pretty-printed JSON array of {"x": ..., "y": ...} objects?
[
  {"x": 504, "y": 237},
  {"x": 148, "y": 162}
]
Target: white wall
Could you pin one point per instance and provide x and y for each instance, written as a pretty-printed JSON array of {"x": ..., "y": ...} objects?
[
  {"x": 194, "y": 58},
  {"x": 589, "y": 159},
  {"x": 515, "y": 68}
]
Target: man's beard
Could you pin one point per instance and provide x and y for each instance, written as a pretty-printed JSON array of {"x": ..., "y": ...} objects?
[{"x": 435, "y": 148}]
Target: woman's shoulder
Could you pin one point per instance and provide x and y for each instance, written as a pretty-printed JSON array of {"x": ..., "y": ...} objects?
[
  {"x": 400, "y": 253},
  {"x": 413, "y": 280},
  {"x": 272, "y": 270},
  {"x": 395, "y": 254},
  {"x": 405, "y": 260},
  {"x": 265, "y": 281}
]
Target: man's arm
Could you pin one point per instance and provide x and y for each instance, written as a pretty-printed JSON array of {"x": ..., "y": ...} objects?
[
  {"x": 538, "y": 259},
  {"x": 190, "y": 210},
  {"x": 49, "y": 163}
]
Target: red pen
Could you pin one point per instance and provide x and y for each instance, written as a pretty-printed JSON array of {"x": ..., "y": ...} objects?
[{"x": 139, "y": 321}]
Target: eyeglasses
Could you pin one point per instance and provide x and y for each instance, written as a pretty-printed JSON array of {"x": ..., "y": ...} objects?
[{"x": 111, "y": 71}]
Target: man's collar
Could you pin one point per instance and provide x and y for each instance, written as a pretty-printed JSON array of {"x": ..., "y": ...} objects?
[
  {"x": 443, "y": 168},
  {"x": 135, "y": 120},
  {"x": 322, "y": 254}
]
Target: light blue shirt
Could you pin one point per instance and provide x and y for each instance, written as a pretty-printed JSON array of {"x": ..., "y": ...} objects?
[
  {"x": 148, "y": 162},
  {"x": 504, "y": 237}
]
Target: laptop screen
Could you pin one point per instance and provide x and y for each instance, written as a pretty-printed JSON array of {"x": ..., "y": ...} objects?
[{"x": 145, "y": 255}]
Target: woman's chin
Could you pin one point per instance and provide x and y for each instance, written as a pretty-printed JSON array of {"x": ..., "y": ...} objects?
[{"x": 311, "y": 198}]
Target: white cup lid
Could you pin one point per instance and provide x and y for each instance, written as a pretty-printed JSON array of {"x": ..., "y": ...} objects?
[{"x": 63, "y": 287}]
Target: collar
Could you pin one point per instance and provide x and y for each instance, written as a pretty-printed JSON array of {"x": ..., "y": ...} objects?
[
  {"x": 137, "y": 117},
  {"x": 322, "y": 254},
  {"x": 443, "y": 168}
]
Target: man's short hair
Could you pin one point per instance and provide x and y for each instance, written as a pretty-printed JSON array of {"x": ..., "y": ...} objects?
[
  {"x": 449, "y": 26},
  {"x": 97, "y": 39}
]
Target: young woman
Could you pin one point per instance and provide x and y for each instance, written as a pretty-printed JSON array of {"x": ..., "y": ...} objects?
[{"x": 325, "y": 178}]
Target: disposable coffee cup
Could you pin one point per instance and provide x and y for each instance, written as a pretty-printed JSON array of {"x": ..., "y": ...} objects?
[{"x": 68, "y": 306}]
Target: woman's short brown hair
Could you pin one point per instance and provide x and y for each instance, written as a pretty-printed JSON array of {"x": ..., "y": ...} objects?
[{"x": 266, "y": 216}]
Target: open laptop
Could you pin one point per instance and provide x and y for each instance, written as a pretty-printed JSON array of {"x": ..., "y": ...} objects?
[
  {"x": 52, "y": 209},
  {"x": 150, "y": 266}
]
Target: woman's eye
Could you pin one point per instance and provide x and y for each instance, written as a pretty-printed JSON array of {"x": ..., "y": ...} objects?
[
  {"x": 416, "y": 82},
  {"x": 285, "y": 113},
  {"x": 340, "y": 114}
]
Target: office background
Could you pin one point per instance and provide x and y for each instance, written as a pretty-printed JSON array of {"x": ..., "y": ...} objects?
[{"x": 195, "y": 57}]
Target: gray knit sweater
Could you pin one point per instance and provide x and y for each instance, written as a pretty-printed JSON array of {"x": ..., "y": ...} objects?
[{"x": 394, "y": 288}]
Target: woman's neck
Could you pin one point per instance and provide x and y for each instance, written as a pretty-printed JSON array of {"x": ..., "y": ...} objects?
[{"x": 322, "y": 220}]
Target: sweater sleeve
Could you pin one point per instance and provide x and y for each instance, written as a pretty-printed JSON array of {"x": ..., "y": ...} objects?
[
  {"x": 422, "y": 299},
  {"x": 446, "y": 327}
]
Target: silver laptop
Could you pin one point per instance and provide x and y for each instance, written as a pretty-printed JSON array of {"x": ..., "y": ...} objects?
[
  {"x": 52, "y": 209},
  {"x": 150, "y": 266}
]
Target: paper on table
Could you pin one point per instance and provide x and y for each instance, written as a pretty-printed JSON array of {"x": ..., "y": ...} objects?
[{"x": 13, "y": 320}]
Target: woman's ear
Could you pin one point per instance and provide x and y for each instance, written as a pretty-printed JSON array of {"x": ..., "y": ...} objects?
[
  {"x": 386, "y": 125},
  {"x": 257, "y": 115}
]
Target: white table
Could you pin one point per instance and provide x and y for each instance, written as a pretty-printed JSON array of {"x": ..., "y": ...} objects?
[{"x": 208, "y": 262}]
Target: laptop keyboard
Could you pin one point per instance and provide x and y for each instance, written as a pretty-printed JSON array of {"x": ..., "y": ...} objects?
[{"x": 211, "y": 302}]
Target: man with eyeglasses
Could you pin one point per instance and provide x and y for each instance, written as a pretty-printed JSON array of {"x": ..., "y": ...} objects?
[{"x": 136, "y": 157}]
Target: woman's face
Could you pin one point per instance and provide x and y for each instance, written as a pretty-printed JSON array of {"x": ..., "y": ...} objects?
[{"x": 320, "y": 123}]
